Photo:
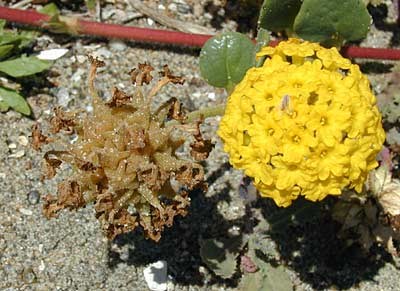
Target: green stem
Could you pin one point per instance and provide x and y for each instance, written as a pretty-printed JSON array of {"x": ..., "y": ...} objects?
[
  {"x": 230, "y": 87},
  {"x": 206, "y": 112},
  {"x": 193, "y": 116}
]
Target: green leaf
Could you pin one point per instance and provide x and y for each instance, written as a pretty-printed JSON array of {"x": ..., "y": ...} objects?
[
  {"x": 10, "y": 98},
  {"x": 24, "y": 66},
  {"x": 278, "y": 15},
  {"x": 50, "y": 9},
  {"x": 263, "y": 38},
  {"x": 91, "y": 4},
  {"x": 266, "y": 278},
  {"x": 2, "y": 24},
  {"x": 220, "y": 255},
  {"x": 330, "y": 21},
  {"x": 3, "y": 106},
  {"x": 26, "y": 38},
  {"x": 9, "y": 38},
  {"x": 260, "y": 240},
  {"x": 18, "y": 39},
  {"x": 225, "y": 58},
  {"x": 5, "y": 50}
]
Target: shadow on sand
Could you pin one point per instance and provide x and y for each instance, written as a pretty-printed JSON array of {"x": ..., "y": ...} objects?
[{"x": 308, "y": 246}]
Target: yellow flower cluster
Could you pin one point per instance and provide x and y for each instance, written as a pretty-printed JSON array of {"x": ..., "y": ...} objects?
[{"x": 305, "y": 123}]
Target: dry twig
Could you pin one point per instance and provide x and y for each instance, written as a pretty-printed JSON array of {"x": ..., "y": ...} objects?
[{"x": 168, "y": 21}]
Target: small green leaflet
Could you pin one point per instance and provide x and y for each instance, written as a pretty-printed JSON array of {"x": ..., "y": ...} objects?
[
  {"x": 24, "y": 66},
  {"x": 5, "y": 50},
  {"x": 50, "y": 9}
]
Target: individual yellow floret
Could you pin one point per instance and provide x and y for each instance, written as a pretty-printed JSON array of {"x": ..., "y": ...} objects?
[{"x": 305, "y": 123}]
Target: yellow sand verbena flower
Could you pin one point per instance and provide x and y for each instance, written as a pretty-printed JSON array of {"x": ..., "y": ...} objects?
[{"x": 305, "y": 123}]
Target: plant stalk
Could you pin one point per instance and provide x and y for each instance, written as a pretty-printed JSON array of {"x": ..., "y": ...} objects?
[
  {"x": 37, "y": 19},
  {"x": 207, "y": 112},
  {"x": 217, "y": 110}
]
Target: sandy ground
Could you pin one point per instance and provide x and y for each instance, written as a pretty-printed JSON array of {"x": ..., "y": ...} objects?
[{"x": 71, "y": 253}]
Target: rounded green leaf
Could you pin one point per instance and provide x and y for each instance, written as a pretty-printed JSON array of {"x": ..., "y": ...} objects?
[
  {"x": 327, "y": 20},
  {"x": 278, "y": 15},
  {"x": 225, "y": 58}
]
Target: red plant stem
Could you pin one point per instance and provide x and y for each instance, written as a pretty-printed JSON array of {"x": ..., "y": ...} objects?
[
  {"x": 142, "y": 34},
  {"x": 23, "y": 16},
  {"x": 164, "y": 36},
  {"x": 371, "y": 53}
]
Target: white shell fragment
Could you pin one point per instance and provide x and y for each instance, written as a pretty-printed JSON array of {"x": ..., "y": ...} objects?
[
  {"x": 25, "y": 211},
  {"x": 18, "y": 154},
  {"x": 52, "y": 54},
  {"x": 23, "y": 140},
  {"x": 155, "y": 276}
]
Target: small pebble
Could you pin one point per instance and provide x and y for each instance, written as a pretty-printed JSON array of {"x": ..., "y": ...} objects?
[
  {"x": 150, "y": 21},
  {"x": 81, "y": 59},
  {"x": 29, "y": 276},
  {"x": 33, "y": 197},
  {"x": 12, "y": 146},
  {"x": 103, "y": 53},
  {"x": 247, "y": 264},
  {"x": 196, "y": 94},
  {"x": 52, "y": 54},
  {"x": 18, "y": 154},
  {"x": 63, "y": 97},
  {"x": 211, "y": 96},
  {"x": 89, "y": 108},
  {"x": 25, "y": 211},
  {"x": 117, "y": 45},
  {"x": 172, "y": 7},
  {"x": 155, "y": 276},
  {"x": 183, "y": 8},
  {"x": 77, "y": 76},
  {"x": 124, "y": 255},
  {"x": 23, "y": 140},
  {"x": 106, "y": 14},
  {"x": 42, "y": 266}
]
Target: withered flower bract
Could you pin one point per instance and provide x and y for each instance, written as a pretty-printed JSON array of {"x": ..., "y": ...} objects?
[{"x": 124, "y": 159}]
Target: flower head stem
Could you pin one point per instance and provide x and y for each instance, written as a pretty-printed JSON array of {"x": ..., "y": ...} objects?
[{"x": 217, "y": 110}]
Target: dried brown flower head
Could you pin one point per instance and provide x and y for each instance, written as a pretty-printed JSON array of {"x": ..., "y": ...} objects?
[
  {"x": 142, "y": 74},
  {"x": 124, "y": 159},
  {"x": 62, "y": 121},
  {"x": 38, "y": 139}
]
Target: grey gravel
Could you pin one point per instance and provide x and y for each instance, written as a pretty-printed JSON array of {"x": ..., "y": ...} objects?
[
  {"x": 117, "y": 45},
  {"x": 63, "y": 96},
  {"x": 33, "y": 197}
]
